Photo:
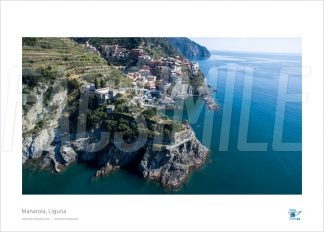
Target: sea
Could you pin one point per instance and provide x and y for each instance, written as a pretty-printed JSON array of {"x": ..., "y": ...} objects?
[{"x": 254, "y": 137}]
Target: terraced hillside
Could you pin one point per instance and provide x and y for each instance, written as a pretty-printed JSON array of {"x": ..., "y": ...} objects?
[
  {"x": 54, "y": 69},
  {"x": 71, "y": 58}
]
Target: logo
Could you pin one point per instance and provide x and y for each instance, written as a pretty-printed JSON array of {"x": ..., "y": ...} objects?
[{"x": 294, "y": 214}]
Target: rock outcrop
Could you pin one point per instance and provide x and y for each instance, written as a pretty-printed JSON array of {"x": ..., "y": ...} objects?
[
  {"x": 106, "y": 170},
  {"x": 171, "y": 165},
  {"x": 33, "y": 146},
  {"x": 116, "y": 157},
  {"x": 85, "y": 149},
  {"x": 68, "y": 154}
]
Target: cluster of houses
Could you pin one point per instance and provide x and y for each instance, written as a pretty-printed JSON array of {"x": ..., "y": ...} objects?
[
  {"x": 117, "y": 52},
  {"x": 114, "y": 51},
  {"x": 171, "y": 66},
  {"x": 161, "y": 72},
  {"x": 91, "y": 48},
  {"x": 143, "y": 78},
  {"x": 103, "y": 94},
  {"x": 151, "y": 78}
]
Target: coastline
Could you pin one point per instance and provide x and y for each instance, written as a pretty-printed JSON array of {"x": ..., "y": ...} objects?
[
  {"x": 231, "y": 172},
  {"x": 76, "y": 151}
]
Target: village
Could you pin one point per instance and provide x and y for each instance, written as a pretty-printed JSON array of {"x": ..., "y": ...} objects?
[
  {"x": 106, "y": 107},
  {"x": 152, "y": 79}
]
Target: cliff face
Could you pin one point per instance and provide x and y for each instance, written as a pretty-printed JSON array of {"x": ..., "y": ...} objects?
[
  {"x": 189, "y": 48},
  {"x": 48, "y": 66},
  {"x": 171, "y": 165},
  {"x": 39, "y": 140}
]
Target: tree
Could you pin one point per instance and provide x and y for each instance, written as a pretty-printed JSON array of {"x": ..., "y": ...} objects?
[
  {"x": 72, "y": 84},
  {"x": 96, "y": 83},
  {"x": 149, "y": 113},
  {"x": 102, "y": 83},
  {"x": 111, "y": 125},
  {"x": 96, "y": 116}
]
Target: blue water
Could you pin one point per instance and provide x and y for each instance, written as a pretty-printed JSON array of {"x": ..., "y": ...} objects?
[{"x": 230, "y": 169}]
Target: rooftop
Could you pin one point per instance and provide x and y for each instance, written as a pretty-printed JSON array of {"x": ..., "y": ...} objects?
[{"x": 103, "y": 90}]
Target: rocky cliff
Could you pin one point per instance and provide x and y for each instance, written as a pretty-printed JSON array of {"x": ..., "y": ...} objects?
[
  {"x": 40, "y": 125},
  {"x": 189, "y": 48},
  {"x": 172, "y": 165},
  {"x": 50, "y": 68}
]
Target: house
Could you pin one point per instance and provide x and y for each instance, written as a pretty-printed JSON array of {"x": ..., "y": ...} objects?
[
  {"x": 91, "y": 48},
  {"x": 195, "y": 66},
  {"x": 150, "y": 85},
  {"x": 151, "y": 78},
  {"x": 145, "y": 71},
  {"x": 91, "y": 87},
  {"x": 144, "y": 60},
  {"x": 136, "y": 52},
  {"x": 102, "y": 94}
]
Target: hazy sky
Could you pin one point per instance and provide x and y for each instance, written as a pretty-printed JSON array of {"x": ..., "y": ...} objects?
[{"x": 280, "y": 45}]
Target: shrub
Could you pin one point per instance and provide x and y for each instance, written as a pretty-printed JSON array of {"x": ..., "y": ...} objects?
[
  {"x": 48, "y": 95},
  {"x": 149, "y": 113},
  {"x": 103, "y": 83},
  {"x": 29, "y": 41},
  {"x": 72, "y": 84}
]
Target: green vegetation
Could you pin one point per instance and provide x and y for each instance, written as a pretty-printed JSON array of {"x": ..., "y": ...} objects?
[
  {"x": 48, "y": 95},
  {"x": 154, "y": 46},
  {"x": 32, "y": 77},
  {"x": 196, "y": 81},
  {"x": 119, "y": 80},
  {"x": 103, "y": 83},
  {"x": 120, "y": 121},
  {"x": 38, "y": 126},
  {"x": 73, "y": 85},
  {"x": 29, "y": 41},
  {"x": 149, "y": 113},
  {"x": 116, "y": 122},
  {"x": 53, "y": 64},
  {"x": 72, "y": 58},
  {"x": 50, "y": 64},
  {"x": 96, "y": 116},
  {"x": 73, "y": 102},
  {"x": 115, "y": 78},
  {"x": 128, "y": 43}
]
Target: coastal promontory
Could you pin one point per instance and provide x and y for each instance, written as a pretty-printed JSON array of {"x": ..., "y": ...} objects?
[{"x": 99, "y": 101}]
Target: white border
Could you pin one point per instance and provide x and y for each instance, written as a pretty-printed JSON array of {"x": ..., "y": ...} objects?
[{"x": 192, "y": 19}]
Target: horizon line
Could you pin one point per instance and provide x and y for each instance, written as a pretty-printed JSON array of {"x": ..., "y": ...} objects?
[{"x": 244, "y": 51}]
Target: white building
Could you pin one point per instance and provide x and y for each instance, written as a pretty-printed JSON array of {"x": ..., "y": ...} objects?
[{"x": 195, "y": 66}]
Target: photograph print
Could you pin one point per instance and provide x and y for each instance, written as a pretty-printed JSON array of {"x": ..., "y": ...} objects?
[{"x": 161, "y": 115}]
